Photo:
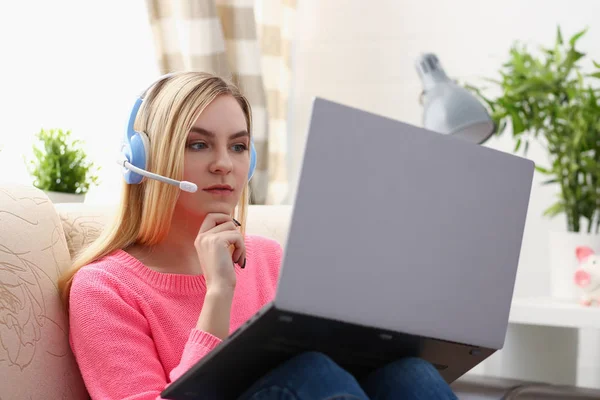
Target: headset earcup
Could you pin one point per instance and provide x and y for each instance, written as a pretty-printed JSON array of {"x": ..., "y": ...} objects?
[
  {"x": 137, "y": 152},
  {"x": 252, "y": 160}
]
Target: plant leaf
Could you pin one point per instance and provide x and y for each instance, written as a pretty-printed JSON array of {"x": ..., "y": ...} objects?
[
  {"x": 559, "y": 38},
  {"x": 517, "y": 122},
  {"x": 576, "y": 37},
  {"x": 517, "y": 145},
  {"x": 542, "y": 170},
  {"x": 554, "y": 210}
]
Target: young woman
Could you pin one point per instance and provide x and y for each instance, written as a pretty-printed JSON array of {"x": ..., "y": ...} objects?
[{"x": 175, "y": 273}]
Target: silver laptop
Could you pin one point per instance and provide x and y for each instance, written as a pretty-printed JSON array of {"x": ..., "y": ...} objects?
[{"x": 402, "y": 242}]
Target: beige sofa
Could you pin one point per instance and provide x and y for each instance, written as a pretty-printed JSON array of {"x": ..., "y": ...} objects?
[{"x": 37, "y": 239}]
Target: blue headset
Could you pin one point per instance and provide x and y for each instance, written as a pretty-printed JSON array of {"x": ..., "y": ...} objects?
[{"x": 136, "y": 150}]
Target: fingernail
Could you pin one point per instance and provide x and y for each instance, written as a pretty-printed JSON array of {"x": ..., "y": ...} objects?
[
  {"x": 244, "y": 264},
  {"x": 235, "y": 221}
]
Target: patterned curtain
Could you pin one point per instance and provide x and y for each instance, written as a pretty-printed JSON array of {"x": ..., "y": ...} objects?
[
  {"x": 276, "y": 30},
  {"x": 222, "y": 37}
]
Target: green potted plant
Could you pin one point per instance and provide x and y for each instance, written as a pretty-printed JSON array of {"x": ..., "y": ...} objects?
[
  {"x": 60, "y": 166},
  {"x": 544, "y": 96}
]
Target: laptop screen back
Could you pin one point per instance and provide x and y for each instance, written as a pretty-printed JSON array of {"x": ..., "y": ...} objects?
[{"x": 404, "y": 229}]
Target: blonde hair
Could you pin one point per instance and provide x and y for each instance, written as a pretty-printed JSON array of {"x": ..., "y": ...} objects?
[{"x": 168, "y": 112}]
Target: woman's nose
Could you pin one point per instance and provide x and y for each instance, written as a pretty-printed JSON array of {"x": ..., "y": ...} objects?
[{"x": 222, "y": 162}]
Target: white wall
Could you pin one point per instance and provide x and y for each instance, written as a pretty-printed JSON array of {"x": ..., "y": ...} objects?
[{"x": 362, "y": 54}]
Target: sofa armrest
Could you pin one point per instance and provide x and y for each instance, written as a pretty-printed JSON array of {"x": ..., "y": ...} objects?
[{"x": 35, "y": 357}]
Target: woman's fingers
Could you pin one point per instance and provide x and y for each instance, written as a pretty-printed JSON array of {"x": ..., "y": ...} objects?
[
  {"x": 235, "y": 239},
  {"x": 225, "y": 226},
  {"x": 213, "y": 220}
]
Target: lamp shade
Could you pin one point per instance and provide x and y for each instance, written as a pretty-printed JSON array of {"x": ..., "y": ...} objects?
[{"x": 449, "y": 108}]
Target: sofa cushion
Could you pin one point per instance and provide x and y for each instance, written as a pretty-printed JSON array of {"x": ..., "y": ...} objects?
[
  {"x": 35, "y": 358},
  {"x": 271, "y": 221},
  {"x": 83, "y": 223}
]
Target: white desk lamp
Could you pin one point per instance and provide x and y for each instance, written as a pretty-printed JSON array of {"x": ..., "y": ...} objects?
[{"x": 449, "y": 108}]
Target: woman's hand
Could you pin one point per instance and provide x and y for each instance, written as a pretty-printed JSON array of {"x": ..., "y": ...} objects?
[{"x": 219, "y": 245}]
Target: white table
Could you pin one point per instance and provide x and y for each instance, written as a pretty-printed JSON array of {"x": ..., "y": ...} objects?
[
  {"x": 544, "y": 311},
  {"x": 549, "y": 340}
]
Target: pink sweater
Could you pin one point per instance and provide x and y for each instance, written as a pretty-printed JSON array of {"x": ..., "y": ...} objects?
[{"x": 132, "y": 329}]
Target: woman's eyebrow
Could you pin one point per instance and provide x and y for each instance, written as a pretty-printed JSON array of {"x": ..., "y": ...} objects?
[{"x": 205, "y": 132}]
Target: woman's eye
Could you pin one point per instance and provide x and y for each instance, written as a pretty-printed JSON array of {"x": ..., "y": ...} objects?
[
  {"x": 239, "y": 148},
  {"x": 197, "y": 145}
]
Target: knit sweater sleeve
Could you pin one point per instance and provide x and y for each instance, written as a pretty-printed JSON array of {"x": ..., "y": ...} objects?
[{"x": 112, "y": 343}]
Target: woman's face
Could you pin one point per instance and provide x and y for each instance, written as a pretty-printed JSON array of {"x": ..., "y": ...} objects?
[{"x": 217, "y": 159}]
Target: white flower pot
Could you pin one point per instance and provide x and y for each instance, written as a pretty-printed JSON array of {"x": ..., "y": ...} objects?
[
  {"x": 60, "y": 197},
  {"x": 563, "y": 261}
]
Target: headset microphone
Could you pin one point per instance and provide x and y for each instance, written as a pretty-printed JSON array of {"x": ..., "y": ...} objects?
[{"x": 183, "y": 185}]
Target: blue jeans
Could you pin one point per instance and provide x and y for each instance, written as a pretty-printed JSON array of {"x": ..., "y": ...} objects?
[{"x": 314, "y": 376}]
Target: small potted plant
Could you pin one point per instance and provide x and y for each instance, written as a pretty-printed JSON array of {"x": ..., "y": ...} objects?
[
  {"x": 60, "y": 167},
  {"x": 547, "y": 98}
]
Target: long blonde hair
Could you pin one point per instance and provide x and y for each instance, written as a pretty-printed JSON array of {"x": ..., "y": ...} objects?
[{"x": 168, "y": 112}]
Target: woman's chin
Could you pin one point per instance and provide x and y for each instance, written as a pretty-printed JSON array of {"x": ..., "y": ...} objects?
[
  {"x": 200, "y": 207},
  {"x": 214, "y": 208}
]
